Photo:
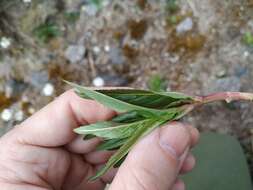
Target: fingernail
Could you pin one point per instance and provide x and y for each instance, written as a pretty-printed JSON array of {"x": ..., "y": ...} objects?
[{"x": 174, "y": 139}]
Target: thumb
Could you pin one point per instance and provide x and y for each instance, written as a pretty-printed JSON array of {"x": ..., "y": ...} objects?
[{"x": 155, "y": 161}]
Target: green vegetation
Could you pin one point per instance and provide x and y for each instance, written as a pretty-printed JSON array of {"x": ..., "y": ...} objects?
[
  {"x": 172, "y": 6},
  {"x": 97, "y": 3},
  {"x": 47, "y": 31},
  {"x": 72, "y": 17},
  {"x": 248, "y": 39},
  {"x": 140, "y": 112},
  {"x": 157, "y": 83}
]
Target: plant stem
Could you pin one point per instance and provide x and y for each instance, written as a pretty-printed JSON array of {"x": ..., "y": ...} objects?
[
  {"x": 219, "y": 96},
  {"x": 226, "y": 96}
]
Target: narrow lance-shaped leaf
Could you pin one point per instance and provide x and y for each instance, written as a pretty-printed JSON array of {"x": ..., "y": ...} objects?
[
  {"x": 147, "y": 103},
  {"x": 111, "y": 130},
  {"x": 111, "y": 144},
  {"x": 115, "y": 104},
  {"x": 128, "y": 117},
  {"x": 126, "y": 147}
]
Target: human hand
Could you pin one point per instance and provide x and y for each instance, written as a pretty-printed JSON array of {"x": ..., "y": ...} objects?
[{"x": 43, "y": 153}]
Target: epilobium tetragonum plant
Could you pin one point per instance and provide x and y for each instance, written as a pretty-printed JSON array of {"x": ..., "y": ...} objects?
[{"x": 139, "y": 113}]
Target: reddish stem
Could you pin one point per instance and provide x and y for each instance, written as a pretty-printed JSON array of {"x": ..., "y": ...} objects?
[{"x": 227, "y": 96}]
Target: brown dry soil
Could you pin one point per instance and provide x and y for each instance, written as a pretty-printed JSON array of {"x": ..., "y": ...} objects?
[{"x": 125, "y": 43}]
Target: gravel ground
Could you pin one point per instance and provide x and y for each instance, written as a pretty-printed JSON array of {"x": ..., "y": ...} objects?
[{"x": 197, "y": 47}]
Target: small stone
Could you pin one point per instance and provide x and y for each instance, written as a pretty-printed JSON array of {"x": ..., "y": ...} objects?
[
  {"x": 246, "y": 54},
  {"x": 75, "y": 53},
  {"x": 19, "y": 116},
  {"x": 27, "y": 1},
  {"x": 96, "y": 50},
  {"x": 240, "y": 71},
  {"x": 98, "y": 82},
  {"x": 14, "y": 88},
  {"x": 250, "y": 24},
  {"x": 48, "y": 89},
  {"x": 107, "y": 48},
  {"x": 221, "y": 73},
  {"x": 115, "y": 80},
  {"x": 31, "y": 110},
  {"x": 6, "y": 115},
  {"x": 90, "y": 9},
  {"x": 232, "y": 83},
  {"x": 5, "y": 42},
  {"x": 116, "y": 56},
  {"x": 38, "y": 79},
  {"x": 185, "y": 25},
  {"x": 105, "y": 3}
]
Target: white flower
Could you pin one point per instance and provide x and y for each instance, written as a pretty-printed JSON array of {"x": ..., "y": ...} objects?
[
  {"x": 19, "y": 116},
  {"x": 5, "y": 42},
  {"x": 107, "y": 48},
  {"x": 98, "y": 82},
  {"x": 96, "y": 49},
  {"x": 27, "y": 1},
  {"x": 48, "y": 89},
  {"x": 6, "y": 115},
  {"x": 246, "y": 54}
]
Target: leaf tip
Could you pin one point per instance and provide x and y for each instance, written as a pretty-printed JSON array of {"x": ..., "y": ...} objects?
[{"x": 77, "y": 130}]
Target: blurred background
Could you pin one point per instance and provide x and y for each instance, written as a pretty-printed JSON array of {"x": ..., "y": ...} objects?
[{"x": 191, "y": 46}]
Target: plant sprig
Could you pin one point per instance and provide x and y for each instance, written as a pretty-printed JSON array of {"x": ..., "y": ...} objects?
[{"x": 139, "y": 113}]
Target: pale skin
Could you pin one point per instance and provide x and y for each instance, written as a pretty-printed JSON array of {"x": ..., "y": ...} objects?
[{"x": 43, "y": 152}]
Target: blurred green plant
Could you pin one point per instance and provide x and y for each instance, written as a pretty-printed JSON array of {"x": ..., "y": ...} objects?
[
  {"x": 157, "y": 83},
  {"x": 72, "y": 17},
  {"x": 97, "y": 3},
  {"x": 47, "y": 31},
  {"x": 1, "y": 57},
  {"x": 172, "y": 6},
  {"x": 248, "y": 39}
]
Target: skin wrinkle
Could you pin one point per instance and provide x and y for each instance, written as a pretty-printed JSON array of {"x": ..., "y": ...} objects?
[
  {"x": 19, "y": 182},
  {"x": 90, "y": 172},
  {"x": 26, "y": 186},
  {"x": 73, "y": 115},
  {"x": 151, "y": 173},
  {"x": 171, "y": 157},
  {"x": 66, "y": 176},
  {"x": 136, "y": 177},
  {"x": 170, "y": 149},
  {"x": 38, "y": 174},
  {"x": 32, "y": 163},
  {"x": 61, "y": 154},
  {"x": 43, "y": 170}
]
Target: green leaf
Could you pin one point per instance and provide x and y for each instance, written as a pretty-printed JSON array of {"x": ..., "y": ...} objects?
[
  {"x": 248, "y": 39},
  {"x": 120, "y": 105},
  {"x": 157, "y": 83},
  {"x": 88, "y": 137},
  {"x": 146, "y": 103},
  {"x": 123, "y": 151},
  {"x": 118, "y": 164},
  {"x": 111, "y": 144},
  {"x": 111, "y": 130},
  {"x": 128, "y": 117},
  {"x": 221, "y": 165},
  {"x": 144, "y": 98}
]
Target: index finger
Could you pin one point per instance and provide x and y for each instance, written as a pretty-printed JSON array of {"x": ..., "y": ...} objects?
[{"x": 53, "y": 125}]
